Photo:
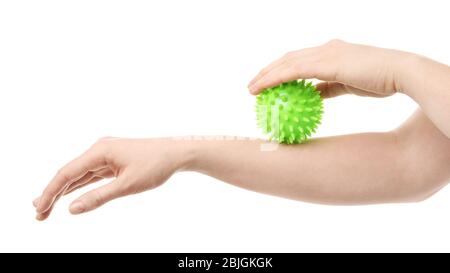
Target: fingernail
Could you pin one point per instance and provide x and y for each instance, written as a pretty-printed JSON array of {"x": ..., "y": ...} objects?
[{"x": 76, "y": 207}]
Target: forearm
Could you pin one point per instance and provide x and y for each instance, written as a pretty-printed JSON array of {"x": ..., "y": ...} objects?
[
  {"x": 352, "y": 169},
  {"x": 407, "y": 164},
  {"x": 428, "y": 83}
]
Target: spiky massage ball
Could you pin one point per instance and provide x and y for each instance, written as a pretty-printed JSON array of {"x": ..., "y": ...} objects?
[{"x": 290, "y": 112}]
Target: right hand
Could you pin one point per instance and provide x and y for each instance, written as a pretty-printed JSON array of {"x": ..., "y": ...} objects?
[
  {"x": 137, "y": 164},
  {"x": 344, "y": 68}
]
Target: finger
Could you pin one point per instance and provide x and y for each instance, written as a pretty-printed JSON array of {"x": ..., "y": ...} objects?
[
  {"x": 286, "y": 58},
  {"x": 97, "y": 197},
  {"x": 266, "y": 69},
  {"x": 102, "y": 173},
  {"x": 79, "y": 186},
  {"x": 332, "y": 89},
  {"x": 36, "y": 201},
  {"x": 89, "y": 178},
  {"x": 281, "y": 74},
  {"x": 92, "y": 160},
  {"x": 43, "y": 216},
  {"x": 85, "y": 177}
]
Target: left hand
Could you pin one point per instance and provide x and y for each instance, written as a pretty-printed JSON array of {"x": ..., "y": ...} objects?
[{"x": 343, "y": 67}]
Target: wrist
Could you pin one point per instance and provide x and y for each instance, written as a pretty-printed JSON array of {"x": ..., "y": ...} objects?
[
  {"x": 407, "y": 69},
  {"x": 185, "y": 153}
]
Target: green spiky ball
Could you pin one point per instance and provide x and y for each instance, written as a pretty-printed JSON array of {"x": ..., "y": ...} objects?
[{"x": 290, "y": 112}]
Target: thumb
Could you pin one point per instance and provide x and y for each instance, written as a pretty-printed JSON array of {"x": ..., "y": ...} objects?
[
  {"x": 97, "y": 197},
  {"x": 334, "y": 89},
  {"x": 331, "y": 89}
]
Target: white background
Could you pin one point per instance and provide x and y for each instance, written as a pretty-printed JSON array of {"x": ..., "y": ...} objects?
[{"x": 74, "y": 71}]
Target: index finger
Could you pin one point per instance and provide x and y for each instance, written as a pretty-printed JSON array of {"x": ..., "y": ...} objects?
[{"x": 91, "y": 160}]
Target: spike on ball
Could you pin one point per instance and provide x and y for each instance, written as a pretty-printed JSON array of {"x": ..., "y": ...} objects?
[{"x": 289, "y": 112}]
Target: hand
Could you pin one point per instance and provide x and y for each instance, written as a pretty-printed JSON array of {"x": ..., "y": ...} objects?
[
  {"x": 137, "y": 164},
  {"x": 345, "y": 68}
]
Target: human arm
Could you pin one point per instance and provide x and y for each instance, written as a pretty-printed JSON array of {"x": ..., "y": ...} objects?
[
  {"x": 406, "y": 164},
  {"x": 367, "y": 71}
]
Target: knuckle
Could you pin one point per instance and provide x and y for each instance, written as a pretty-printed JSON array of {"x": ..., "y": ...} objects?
[
  {"x": 334, "y": 42},
  {"x": 264, "y": 71},
  {"x": 100, "y": 141},
  {"x": 128, "y": 188},
  {"x": 332, "y": 46},
  {"x": 97, "y": 198},
  {"x": 289, "y": 54},
  {"x": 62, "y": 173},
  {"x": 49, "y": 192},
  {"x": 101, "y": 145},
  {"x": 104, "y": 140}
]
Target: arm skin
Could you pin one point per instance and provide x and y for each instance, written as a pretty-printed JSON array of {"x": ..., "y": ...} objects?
[
  {"x": 367, "y": 71},
  {"x": 406, "y": 164},
  {"x": 428, "y": 83}
]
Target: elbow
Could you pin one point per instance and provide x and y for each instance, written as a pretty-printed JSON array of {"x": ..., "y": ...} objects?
[
  {"x": 416, "y": 197},
  {"x": 421, "y": 165},
  {"x": 418, "y": 185}
]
